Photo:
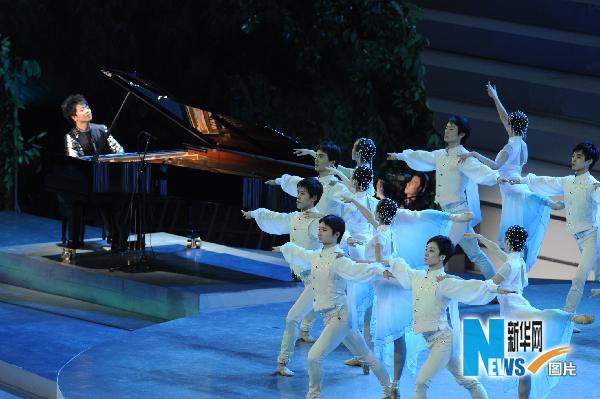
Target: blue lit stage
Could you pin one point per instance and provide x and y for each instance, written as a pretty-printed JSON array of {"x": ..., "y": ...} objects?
[{"x": 82, "y": 332}]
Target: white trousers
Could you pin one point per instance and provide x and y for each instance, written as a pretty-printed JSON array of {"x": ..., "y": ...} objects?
[
  {"x": 337, "y": 330},
  {"x": 588, "y": 246},
  {"x": 440, "y": 356},
  {"x": 301, "y": 311},
  {"x": 470, "y": 246}
]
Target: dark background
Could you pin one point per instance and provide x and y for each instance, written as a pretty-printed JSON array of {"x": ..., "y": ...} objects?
[{"x": 316, "y": 70}]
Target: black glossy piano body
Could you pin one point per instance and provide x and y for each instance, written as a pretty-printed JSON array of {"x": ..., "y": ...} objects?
[{"x": 203, "y": 152}]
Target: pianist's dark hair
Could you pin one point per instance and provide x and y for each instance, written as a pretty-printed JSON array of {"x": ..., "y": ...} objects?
[
  {"x": 463, "y": 126},
  {"x": 336, "y": 224},
  {"x": 69, "y": 106},
  {"x": 589, "y": 151},
  {"x": 445, "y": 246},
  {"x": 332, "y": 150},
  {"x": 313, "y": 186}
]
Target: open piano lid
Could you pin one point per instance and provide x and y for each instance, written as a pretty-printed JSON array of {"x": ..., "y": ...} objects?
[{"x": 211, "y": 131}]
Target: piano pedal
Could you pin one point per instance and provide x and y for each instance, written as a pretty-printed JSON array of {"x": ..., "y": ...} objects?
[
  {"x": 68, "y": 255},
  {"x": 194, "y": 243}
]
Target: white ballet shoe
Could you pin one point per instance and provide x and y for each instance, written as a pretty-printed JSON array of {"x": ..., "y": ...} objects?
[
  {"x": 583, "y": 319},
  {"x": 306, "y": 337},
  {"x": 353, "y": 362},
  {"x": 284, "y": 371}
]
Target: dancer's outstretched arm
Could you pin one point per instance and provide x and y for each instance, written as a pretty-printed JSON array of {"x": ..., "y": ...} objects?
[
  {"x": 269, "y": 221},
  {"x": 401, "y": 272},
  {"x": 545, "y": 185},
  {"x": 347, "y": 182},
  {"x": 299, "y": 152},
  {"x": 489, "y": 244},
  {"x": 288, "y": 183},
  {"x": 366, "y": 213},
  {"x": 422, "y": 161},
  {"x": 296, "y": 256},
  {"x": 479, "y": 172},
  {"x": 362, "y": 272},
  {"x": 491, "y": 91},
  {"x": 470, "y": 292}
]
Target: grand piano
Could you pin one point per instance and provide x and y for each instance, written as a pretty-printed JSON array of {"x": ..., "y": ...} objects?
[{"x": 198, "y": 141}]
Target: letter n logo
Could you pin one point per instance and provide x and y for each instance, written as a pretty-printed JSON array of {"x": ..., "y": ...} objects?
[{"x": 476, "y": 344}]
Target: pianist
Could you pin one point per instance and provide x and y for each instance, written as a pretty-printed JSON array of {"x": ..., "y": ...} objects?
[{"x": 86, "y": 138}]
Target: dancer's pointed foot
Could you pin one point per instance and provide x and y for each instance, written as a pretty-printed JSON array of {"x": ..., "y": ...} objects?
[
  {"x": 284, "y": 371},
  {"x": 390, "y": 392},
  {"x": 394, "y": 394},
  {"x": 583, "y": 319},
  {"x": 353, "y": 362},
  {"x": 306, "y": 337},
  {"x": 576, "y": 330},
  {"x": 366, "y": 369}
]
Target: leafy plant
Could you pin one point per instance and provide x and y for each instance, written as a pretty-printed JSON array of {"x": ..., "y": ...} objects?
[
  {"x": 353, "y": 68},
  {"x": 15, "y": 149}
]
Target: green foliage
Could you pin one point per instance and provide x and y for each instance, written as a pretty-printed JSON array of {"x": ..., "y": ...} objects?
[
  {"x": 15, "y": 150},
  {"x": 353, "y": 68}
]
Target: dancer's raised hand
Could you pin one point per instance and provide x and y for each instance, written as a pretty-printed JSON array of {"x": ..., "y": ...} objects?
[
  {"x": 392, "y": 156},
  {"x": 491, "y": 90},
  {"x": 247, "y": 215},
  {"x": 473, "y": 235},
  {"x": 271, "y": 183},
  {"x": 299, "y": 152},
  {"x": 462, "y": 217}
]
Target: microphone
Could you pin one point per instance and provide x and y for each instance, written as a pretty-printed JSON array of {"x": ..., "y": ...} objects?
[{"x": 150, "y": 136}]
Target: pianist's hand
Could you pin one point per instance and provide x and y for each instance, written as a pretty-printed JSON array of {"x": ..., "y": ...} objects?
[
  {"x": 304, "y": 151},
  {"x": 247, "y": 215}
]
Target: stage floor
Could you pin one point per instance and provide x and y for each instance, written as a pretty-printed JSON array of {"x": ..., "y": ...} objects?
[{"x": 232, "y": 354}]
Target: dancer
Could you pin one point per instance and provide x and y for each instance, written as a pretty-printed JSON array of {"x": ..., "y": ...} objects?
[
  {"x": 431, "y": 299},
  {"x": 520, "y": 206},
  {"x": 327, "y": 155},
  {"x": 456, "y": 184},
  {"x": 359, "y": 231},
  {"x": 393, "y": 303},
  {"x": 363, "y": 152},
  {"x": 329, "y": 273},
  {"x": 303, "y": 230},
  {"x": 581, "y": 198},
  {"x": 558, "y": 324}
]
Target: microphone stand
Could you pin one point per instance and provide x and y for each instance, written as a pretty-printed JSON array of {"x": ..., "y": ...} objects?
[{"x": 140, "y": 225}]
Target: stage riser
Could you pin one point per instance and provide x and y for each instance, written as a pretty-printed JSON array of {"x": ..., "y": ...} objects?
[{"x": 44, "y": 275}]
